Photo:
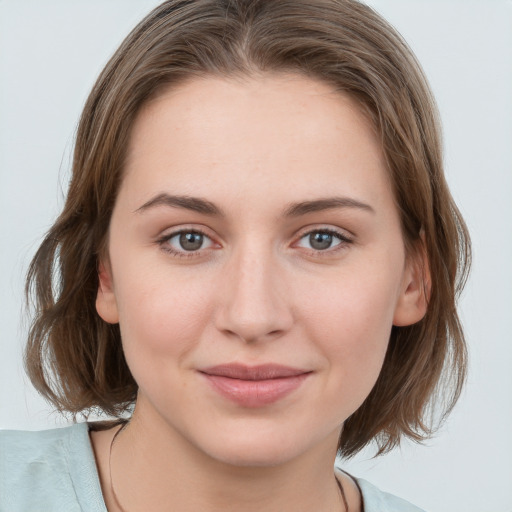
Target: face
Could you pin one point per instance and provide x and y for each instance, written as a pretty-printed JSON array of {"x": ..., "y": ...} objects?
[{"x": 255, "y": 265}]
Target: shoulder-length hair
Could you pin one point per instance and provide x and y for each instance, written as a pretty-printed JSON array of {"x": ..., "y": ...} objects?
[{"x": 75, "y": 359}]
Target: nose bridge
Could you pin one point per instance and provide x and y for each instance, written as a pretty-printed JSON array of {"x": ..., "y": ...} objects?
[{"x": 255, "y": 303}]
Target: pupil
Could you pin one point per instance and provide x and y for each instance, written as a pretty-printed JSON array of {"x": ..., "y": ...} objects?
[
  {"x": 191, "y": 241},
  {"x": 320, "y": 240}
]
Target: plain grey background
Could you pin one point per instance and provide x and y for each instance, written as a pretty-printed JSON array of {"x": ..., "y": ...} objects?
[{"x": 50, "y": 54}]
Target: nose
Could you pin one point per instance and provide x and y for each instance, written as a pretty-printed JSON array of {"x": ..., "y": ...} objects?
[{"x": 254, "y": 302}]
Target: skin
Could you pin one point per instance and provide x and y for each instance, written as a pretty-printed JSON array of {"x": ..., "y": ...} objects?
[{"x": 257, "y": 291}]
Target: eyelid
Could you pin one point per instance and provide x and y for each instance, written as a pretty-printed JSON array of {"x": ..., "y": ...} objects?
[
  {"x": 344, "y": 234},
  {"x": 163, "y": 239},
  {"x": 169, "y": 231},
  {"x": 344, "y": 239}
]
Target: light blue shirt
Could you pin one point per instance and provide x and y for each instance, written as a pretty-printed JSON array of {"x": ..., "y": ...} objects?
[{"x": 55, "y": 471}]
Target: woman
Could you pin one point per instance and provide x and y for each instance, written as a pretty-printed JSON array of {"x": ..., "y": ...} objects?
[{"x": 257, "y": 261}]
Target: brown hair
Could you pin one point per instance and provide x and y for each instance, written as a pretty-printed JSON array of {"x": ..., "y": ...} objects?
[{"x": 75, "y": 359}]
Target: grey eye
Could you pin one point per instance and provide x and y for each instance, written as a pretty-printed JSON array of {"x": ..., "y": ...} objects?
[
  {"x": 190, "y": 241},
  {"x": 187, "y": 242},
  {"x": 320, "y": 240},
  {"x": 182, "y": 242}
]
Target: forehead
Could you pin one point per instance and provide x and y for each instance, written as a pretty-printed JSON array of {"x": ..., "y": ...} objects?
[{"x": 256, "y": 135}]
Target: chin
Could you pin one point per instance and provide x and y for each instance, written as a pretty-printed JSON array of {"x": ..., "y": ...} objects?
[
  {"x": 257, "y": 446},
  {"x": 253, "y": 455}
]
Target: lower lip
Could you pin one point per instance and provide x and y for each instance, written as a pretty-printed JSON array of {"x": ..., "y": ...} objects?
[{"x": 255, "y": 393}]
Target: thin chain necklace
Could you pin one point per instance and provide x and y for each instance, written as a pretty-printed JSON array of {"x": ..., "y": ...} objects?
[
  {"x": 112, "y": 490},
  {"x": 342, "y": 492},
  {"x": 116, "y": 499}
]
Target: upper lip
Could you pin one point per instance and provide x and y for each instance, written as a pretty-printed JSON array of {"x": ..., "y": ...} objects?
[{"x": 258, "y": 372}]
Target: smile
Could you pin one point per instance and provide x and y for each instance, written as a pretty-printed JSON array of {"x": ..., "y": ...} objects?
[{"x": 254, "y": 386}]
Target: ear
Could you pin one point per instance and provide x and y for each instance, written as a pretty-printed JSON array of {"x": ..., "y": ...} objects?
[
  {"x": 106, "y": 304},
  {"x": 415, "y": 291}
]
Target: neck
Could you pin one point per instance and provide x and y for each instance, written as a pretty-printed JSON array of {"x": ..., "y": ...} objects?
[{"x": 155, "y": 468}]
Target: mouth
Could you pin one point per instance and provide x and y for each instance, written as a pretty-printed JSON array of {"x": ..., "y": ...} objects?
[{"x": 254, "y": 386}]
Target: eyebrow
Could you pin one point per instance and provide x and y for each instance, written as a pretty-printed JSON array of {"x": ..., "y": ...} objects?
[
  {"x": 329, "y": 203},
  {"x": 194, "y": 204},
  {"x": 205, "y": 207}
]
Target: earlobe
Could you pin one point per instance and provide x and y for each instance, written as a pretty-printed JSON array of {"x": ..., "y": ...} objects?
[
  {"x": 106, "y": 304},
  {"x": 415, "y": 292}
]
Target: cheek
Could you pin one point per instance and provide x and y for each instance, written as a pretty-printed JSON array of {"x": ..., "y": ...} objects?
[
  {"x": 161, "y": 316},
  {"x": 351, "y": 323},
  {"x": 356, "y": 307}
]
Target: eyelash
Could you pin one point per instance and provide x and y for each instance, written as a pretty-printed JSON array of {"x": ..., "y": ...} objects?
[
  {"x": 343, "y": 240},
  {"x": 163, "y": 242}
]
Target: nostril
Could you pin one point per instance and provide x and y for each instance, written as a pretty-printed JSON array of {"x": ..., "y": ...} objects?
[
  {"x": 252, "y": 304},
  {"x": 252, "y": 333}
]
